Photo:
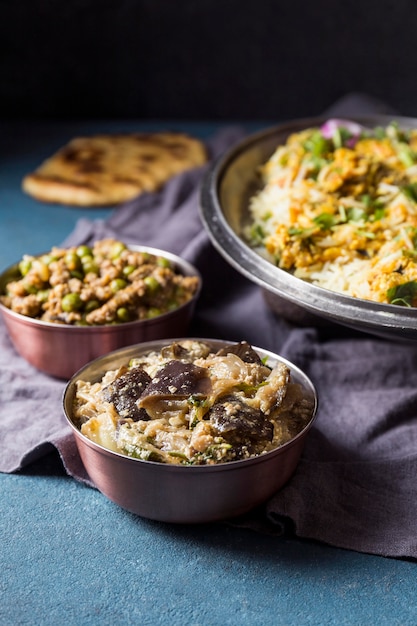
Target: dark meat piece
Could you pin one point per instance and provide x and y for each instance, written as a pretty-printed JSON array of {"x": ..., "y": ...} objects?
[
  {"x": 172, "y": 385},
  {"x": 177, "y": 378},
  {"x": 185, "y": 352},
  {"x": 125, "y": 391},
  {"x": 239, "y": 423},
  {"x": 174, "y": 351},
  {"x": 243, "y": 350}
]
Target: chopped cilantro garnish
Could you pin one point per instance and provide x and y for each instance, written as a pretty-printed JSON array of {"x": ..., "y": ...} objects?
[
  {"x": 412, "y": 233},
  {"x": 246, "y": 388},
  {"x": 317, "y": 144},
  {"x": 403, "y": 295},
  {"x": 257, "y": 234},
  {"x": 395, "y": 133},
  {"x": 406, "y": 155},
  {"x": 303, "y": 233},
  {"x": 325, "y": 221},
  {"x": 367, "y": 200},
  {"x": 342, "y": 213},
  {"x": 380, "y": 132},
  {"x": 356, "y": 214},
  {"x": 178, "y": 455},
  {"x": 340, "y": 136},
  {"x": 410, "y": 191},
  {"x": 293, "y": 230},
  {"x": 316, "y": 164},
  {"x": 366, "y": 233},
  {"x": 410, "y": 254},
  {"x": 379, "y": 213},
  {"x": 197, "y": 401},
  {"x": 142, "y": 453}
]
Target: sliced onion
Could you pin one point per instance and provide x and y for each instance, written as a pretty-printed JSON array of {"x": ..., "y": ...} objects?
[{"x": 328, "y": 129}]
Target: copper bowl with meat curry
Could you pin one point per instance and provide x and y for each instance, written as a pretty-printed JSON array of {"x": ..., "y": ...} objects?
[
  {"x": 92, "y": 311},
  {"x": 190, "y": 430}
]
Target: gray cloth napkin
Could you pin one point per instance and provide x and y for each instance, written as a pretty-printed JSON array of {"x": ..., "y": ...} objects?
[{"x": 355, "y": 485}]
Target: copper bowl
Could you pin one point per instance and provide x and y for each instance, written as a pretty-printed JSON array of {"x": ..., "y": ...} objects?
[
  {"x": 230, "y": 182},
  {"x": 60, "y": 350},
  {"x": 178, "y": 493}
]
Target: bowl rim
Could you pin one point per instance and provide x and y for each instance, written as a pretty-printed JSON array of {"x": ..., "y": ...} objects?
[
  {"x": 216, "y": 343},
  {"x": 338, "y": 307},
  {"x": 179, "y": 261}
]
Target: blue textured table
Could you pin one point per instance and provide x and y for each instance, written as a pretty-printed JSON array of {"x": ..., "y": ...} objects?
[{"x": 69, "y": 556}]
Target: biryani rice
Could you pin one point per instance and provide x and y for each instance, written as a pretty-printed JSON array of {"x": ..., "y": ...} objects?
[{"x": 338, "y": 208}]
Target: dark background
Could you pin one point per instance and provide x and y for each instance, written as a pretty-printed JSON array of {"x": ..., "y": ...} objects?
[{"x": 203, "y": 59}]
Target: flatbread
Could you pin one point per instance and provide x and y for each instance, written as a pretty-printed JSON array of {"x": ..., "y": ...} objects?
[{"x": 109, "y": 169}]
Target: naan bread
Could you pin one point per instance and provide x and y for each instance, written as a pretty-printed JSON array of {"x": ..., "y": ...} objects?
[{"x": 109, "y": 169}]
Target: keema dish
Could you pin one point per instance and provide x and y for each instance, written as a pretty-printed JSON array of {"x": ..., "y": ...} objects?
[
  {"x": 70, "y": 306},
  {"x": 103, "y": 284},
  {"x": 338, "y": 208}
]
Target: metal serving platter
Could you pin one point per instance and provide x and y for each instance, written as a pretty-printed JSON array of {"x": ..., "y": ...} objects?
[{"x": 230, "y": 182}]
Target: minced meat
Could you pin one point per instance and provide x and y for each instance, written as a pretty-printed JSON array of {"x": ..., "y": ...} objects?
[{"x": 106, "y": 283}]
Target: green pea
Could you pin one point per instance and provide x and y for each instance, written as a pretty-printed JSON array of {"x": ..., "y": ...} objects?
[
  {"x": 90, "y": 266},
  {"x": 153, "y": 312},
  {"x": 117, "y": 284},
  {"x": 83, "y": 251},
  {"x": 117, "y": 249},
  {"x": 71, "y": 302},
  {"x": 152, "y": 285},
  {"x": 87, "y": 258},
  {"x": 48, "y": 258},
  {"x": 81, "y": 322},
  {"x": 72, "y": 261},
  {"x": 91, "y": 305},
  {"x": 123, "y": 314},
  {"x": 41, "y": 270},
  {"x": 25, "y": 265},
  {"x": 128, "y": 270},
  {"x": 76, "y": 274},
  {"x": 43, "y": 295},
  {"x": 163, "y": 262},
  {"x": 180, "y": 293},
  {"x": 31, "y": 289}
]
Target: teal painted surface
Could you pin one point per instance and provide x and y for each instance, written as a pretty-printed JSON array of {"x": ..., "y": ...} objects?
[{"x": 69, "y": 556}]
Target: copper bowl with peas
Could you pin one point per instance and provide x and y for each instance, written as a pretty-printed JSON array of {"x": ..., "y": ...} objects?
[{"x": 69, "y": 306}]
